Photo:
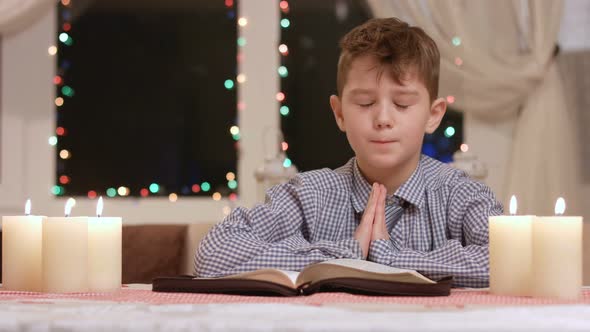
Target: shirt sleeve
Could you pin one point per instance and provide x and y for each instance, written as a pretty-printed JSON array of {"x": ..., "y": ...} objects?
[
  {"x": 465, "y": 254},
  {"x": 270, "y": 235}
]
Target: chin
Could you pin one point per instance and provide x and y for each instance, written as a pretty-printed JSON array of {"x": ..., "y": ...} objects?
[{"x": 385, "y": 161}]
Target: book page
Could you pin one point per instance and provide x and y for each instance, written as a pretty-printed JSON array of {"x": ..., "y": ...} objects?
[
  {"x": 365, "y": 265},
  {"x": 282, "y": 277},
  {"x": 292, "y": 275},
  {"x": 360, "y": 269}
]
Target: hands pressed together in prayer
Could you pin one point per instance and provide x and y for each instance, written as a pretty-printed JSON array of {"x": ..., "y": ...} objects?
[{"x": 372, "y": 226}]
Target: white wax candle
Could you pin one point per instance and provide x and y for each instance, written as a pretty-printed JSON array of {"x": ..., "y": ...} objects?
[
  {"x": 104, "y": 252},
  {"x": 510, "y": 253},
  {"x": 65, "y": 254},
  {"x": 21, "y": 252},
  {"x": 557, "y": 260}
]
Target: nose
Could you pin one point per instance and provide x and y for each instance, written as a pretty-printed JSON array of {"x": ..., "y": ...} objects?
[{"x": 384, "y": 118}]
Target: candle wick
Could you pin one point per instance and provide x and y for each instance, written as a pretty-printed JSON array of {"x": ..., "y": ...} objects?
[
  {"x": 67, "y": 215},
  {"x": 98, "y": 215}
]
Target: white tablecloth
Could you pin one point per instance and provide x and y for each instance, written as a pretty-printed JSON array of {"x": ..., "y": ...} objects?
[
  {"x": 79, "y": 315},
  {"x": 76, "y": 316}
]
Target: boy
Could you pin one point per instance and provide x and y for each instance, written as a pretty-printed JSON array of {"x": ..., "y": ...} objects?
[{"x": 388, "y": 204}]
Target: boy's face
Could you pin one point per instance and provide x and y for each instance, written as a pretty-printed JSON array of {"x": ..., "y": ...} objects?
[{"x": 384, "y": 121}]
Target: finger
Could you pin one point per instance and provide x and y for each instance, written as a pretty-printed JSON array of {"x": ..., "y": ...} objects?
[
  {"x": 372, "y": 193},
  {"x": 375, "y": 197},
  {"x": 369, "y": 214},
  {"x": 380, "y": 208}
]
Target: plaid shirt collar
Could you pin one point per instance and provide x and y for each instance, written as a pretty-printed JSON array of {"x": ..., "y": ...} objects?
[{"x": 411, "y": 191}]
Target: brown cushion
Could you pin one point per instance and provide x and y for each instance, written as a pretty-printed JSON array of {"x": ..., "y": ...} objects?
[{"x": 151, "y": 251}]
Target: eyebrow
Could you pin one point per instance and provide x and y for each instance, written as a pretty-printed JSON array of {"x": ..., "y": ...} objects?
[
  {"x": 406, "y": 92},
  {"x": 359, "y": 91}
]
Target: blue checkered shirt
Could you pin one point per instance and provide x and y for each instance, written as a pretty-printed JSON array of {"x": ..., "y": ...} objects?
[{"x": 437, "y": 221}]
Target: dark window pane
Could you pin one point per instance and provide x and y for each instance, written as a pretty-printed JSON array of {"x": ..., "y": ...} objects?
[{"x": 149, "y": 103}]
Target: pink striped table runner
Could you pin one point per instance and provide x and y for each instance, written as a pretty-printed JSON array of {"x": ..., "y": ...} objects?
[{"x": 457, "y": 299}]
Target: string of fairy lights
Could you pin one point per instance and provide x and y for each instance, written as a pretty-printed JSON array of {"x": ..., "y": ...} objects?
[
  {"x": 64, "y": 92},
  {"x": 283, "y": 72},
  {"x": 450, "y": 131}
]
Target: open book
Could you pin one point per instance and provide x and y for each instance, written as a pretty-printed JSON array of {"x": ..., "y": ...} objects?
[{"x": 348, "y": 275}]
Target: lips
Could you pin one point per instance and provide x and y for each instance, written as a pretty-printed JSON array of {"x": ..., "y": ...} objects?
[{"x": 385, "y": 141}]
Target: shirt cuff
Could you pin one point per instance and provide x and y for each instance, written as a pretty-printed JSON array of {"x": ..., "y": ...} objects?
[
  {"x": 355, "y": 248},
  {"x": 380, "y": 250}
]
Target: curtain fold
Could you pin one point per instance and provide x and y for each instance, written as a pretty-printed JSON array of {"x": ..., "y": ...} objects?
[
  {"x": 506, "y": 55},
  {"x": 574, "y": 68}
]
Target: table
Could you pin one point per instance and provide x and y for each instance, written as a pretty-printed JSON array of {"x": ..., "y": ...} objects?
[{"x": 136, "y": 308}]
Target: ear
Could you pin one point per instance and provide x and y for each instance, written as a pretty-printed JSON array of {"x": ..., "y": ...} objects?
[
  {"x": 336, "y": 105},
  {"x": 437, "y": 111}
]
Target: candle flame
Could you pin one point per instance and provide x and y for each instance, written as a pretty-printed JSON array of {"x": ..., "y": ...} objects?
[
  {"x": 69, "y": 205},
  {"x": 559, "y": 206},
  {"x": 28, "y": 207},
  {"x": 99, "y": 207},
  {"x": 513, "y": 205}
]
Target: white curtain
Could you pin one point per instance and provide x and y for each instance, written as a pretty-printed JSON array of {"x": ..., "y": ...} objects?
[
  {"x": 16, "y": 15},
  {"x": 574, "y": 67},
  {"x": 507, "y": 67}
]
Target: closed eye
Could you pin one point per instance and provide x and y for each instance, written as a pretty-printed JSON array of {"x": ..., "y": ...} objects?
[
  {"x": 366, "y": 105},
  {"x": 402, "y": 106}
]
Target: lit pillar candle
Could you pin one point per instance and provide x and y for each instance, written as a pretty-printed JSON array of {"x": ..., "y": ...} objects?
[
  {"x": 65, "y": 253},
  {"x": 510, "y": 253},
  {"x": 557, "y": 263},
  {"x": 104, "y": 252},
  {"x": 21, "y": 251}
]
